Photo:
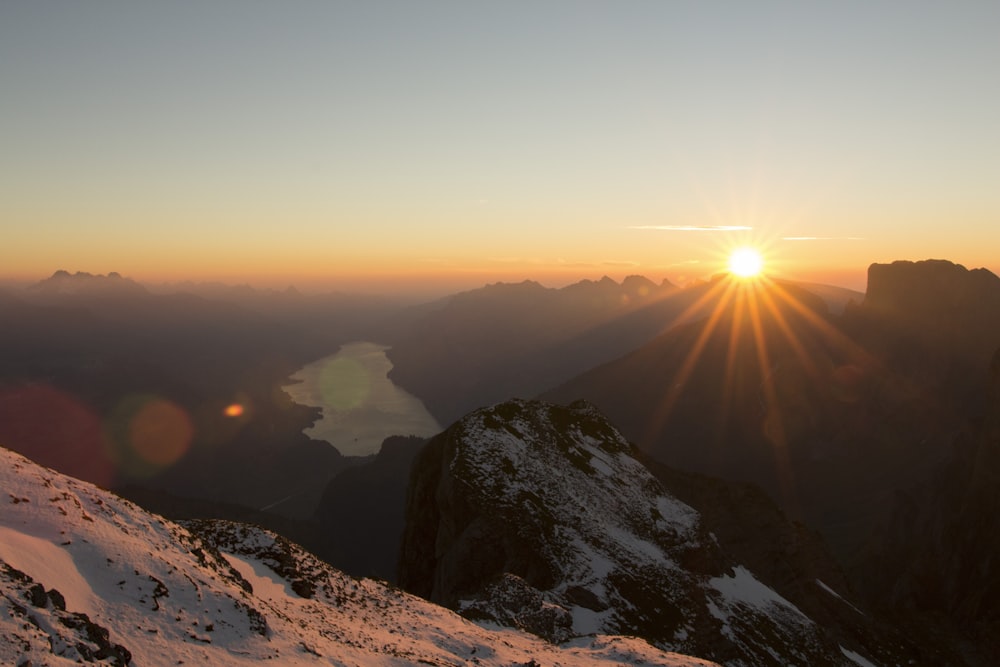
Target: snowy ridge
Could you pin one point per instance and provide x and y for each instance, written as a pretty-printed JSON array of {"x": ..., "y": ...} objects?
[
  {"x": 88, "y": 577},
  {"x": 539, "y": 517}
]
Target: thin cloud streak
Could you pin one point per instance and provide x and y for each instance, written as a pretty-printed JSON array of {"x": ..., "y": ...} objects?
[
  {"x": 823, "y": 238},
  {"x": 694, "y": 228}
]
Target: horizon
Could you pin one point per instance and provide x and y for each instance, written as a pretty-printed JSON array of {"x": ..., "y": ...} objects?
[
  {"x": 390, "y": 287},
  {"x": 385, "y": 147}
]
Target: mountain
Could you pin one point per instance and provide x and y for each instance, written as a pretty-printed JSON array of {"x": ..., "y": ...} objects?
[
  {"x": 87, "y": 577},
  {"x": 487, "y": 345},
  {"x": 773, "y": 389},
  {"x": 940, "y": 558},
  {"x": 65, "y": 283},
  {"x": 540, "y": 517},
  {"x": 739, "y": 394},
  {"x": 84, "y": 359},
  {"x": 867, "y": 426},
  {"x": 506, "y": 339},
  {"x": 836, "y": 298},
  {"x": 933, "y": 322},
  {"x": 359, "y": 518}
]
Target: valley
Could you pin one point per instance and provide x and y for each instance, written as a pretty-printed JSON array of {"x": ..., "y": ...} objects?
[{"x": 818, "y": 440}]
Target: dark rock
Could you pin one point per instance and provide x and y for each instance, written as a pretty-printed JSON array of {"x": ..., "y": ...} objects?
[{"x": 540, "y": 517}]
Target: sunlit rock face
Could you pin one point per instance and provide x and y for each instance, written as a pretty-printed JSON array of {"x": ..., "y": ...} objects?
[{"x": 539, "y": 517}]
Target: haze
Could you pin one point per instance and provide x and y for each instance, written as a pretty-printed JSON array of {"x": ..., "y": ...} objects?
[{"x": 383, "y": 146}]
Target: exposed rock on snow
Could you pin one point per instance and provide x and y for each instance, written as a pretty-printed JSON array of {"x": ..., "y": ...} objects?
[
  {"x": 539, "y": 517},
  {"x": 86, "y": 576}
]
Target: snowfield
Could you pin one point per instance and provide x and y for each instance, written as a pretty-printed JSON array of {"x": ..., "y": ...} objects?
[{"x": 86, "y": 576}]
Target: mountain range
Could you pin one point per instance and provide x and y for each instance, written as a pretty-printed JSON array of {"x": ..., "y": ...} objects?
[{"x": 760, "y": 472}]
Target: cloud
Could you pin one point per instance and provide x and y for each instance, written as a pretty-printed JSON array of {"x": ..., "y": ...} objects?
[
  {"x": 823, "y": 238},
  {"x": 619, "y": 262},
  {"x": 694, "y": 228},
  {"x": 516, "y": 260}
]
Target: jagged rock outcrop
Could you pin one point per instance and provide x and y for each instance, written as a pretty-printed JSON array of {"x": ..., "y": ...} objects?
[
  {"x": 540, "y": 517},
  {"x": 42, "y": 624}
]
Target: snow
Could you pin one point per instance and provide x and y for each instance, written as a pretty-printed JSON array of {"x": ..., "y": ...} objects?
[
  {"x": 857, "y": 659},
  {"x": 589, "y": 622},
  {"x": 161, "y": 592},
  {"x": 676, "y": 513},
  {"x": 45, "y": 561},
  {"x": 266, "y": 584},
  {"x": 838, "y": 596},
  {"x": 744, "y": 588}
]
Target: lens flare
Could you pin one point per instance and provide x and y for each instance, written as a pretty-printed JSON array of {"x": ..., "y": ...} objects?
[
  {"x": 344, "y": 384},
  {"x": 160, "y": 432},
  {"x": 55, "y": 429},
  {"x": 234, "y": 410},
  {"x": 147, "y": 434}
]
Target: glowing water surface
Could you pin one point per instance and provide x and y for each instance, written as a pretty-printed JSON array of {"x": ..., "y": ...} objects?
[{"x": 361, "y": 406}]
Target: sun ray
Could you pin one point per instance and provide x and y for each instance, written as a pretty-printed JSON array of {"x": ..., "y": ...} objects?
[
  {"x": 735, "y": 329},
  {"x": 775, "y": 431},
  {"x": 659, "y": 418},
  {"x": 767, "y": 297}
]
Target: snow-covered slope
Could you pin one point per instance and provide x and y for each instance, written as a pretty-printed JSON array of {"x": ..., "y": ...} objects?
[
  {"x": 86, "y": 576},
  {"x": 538, "y": 516}
]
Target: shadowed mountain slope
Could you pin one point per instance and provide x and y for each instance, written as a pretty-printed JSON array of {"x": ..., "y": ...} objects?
[
  {"x": 774, "y": 390},
  {"x": 540, "y": 517},
  {"x": 505, "y": 340}
]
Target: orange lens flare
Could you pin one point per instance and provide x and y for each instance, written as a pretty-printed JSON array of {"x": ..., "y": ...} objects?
[
  {"x": 234, "y": 410},
  {"x": 160, "y": 432},
  {"x": 145, "y": 434}
]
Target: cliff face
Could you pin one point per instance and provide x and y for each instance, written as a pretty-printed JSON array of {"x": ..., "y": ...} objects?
[
  {"x": 942, "y": 549},
  {"x": 930, "y": 289},
  {"x": 932, "y": 308},
  {"x": 539, "y": 516}
]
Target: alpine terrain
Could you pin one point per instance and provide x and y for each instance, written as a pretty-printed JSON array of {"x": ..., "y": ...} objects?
[
  {"x": 86, "y": 577},
  {"x": 541, "y": 517}
]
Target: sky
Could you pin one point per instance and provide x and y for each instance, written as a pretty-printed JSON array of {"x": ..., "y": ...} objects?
[{"x": 400, "y": 145}]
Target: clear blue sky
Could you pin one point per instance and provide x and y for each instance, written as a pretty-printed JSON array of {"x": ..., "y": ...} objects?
[{"x": 362, "y": 143}]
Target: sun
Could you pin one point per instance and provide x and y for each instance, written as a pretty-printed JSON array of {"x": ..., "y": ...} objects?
[{"x": 745, "y": 263}]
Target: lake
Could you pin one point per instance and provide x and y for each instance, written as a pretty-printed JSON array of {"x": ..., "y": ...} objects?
[{"x": 361, "y": 406}]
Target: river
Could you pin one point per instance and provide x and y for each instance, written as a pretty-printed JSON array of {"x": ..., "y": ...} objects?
[{"x": 361, "y": 405}]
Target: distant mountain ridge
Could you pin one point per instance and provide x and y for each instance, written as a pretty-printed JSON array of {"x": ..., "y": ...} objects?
[{"x": 519, "y": 339}]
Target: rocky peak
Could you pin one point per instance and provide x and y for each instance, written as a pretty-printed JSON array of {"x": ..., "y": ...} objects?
[{"x": 538, "y": 516}]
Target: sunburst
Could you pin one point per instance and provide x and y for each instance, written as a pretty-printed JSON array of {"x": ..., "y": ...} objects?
[{"x": 745, "y": 262}]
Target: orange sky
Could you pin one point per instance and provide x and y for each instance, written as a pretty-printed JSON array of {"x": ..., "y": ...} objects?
[{"x": 435, "y": 146}]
